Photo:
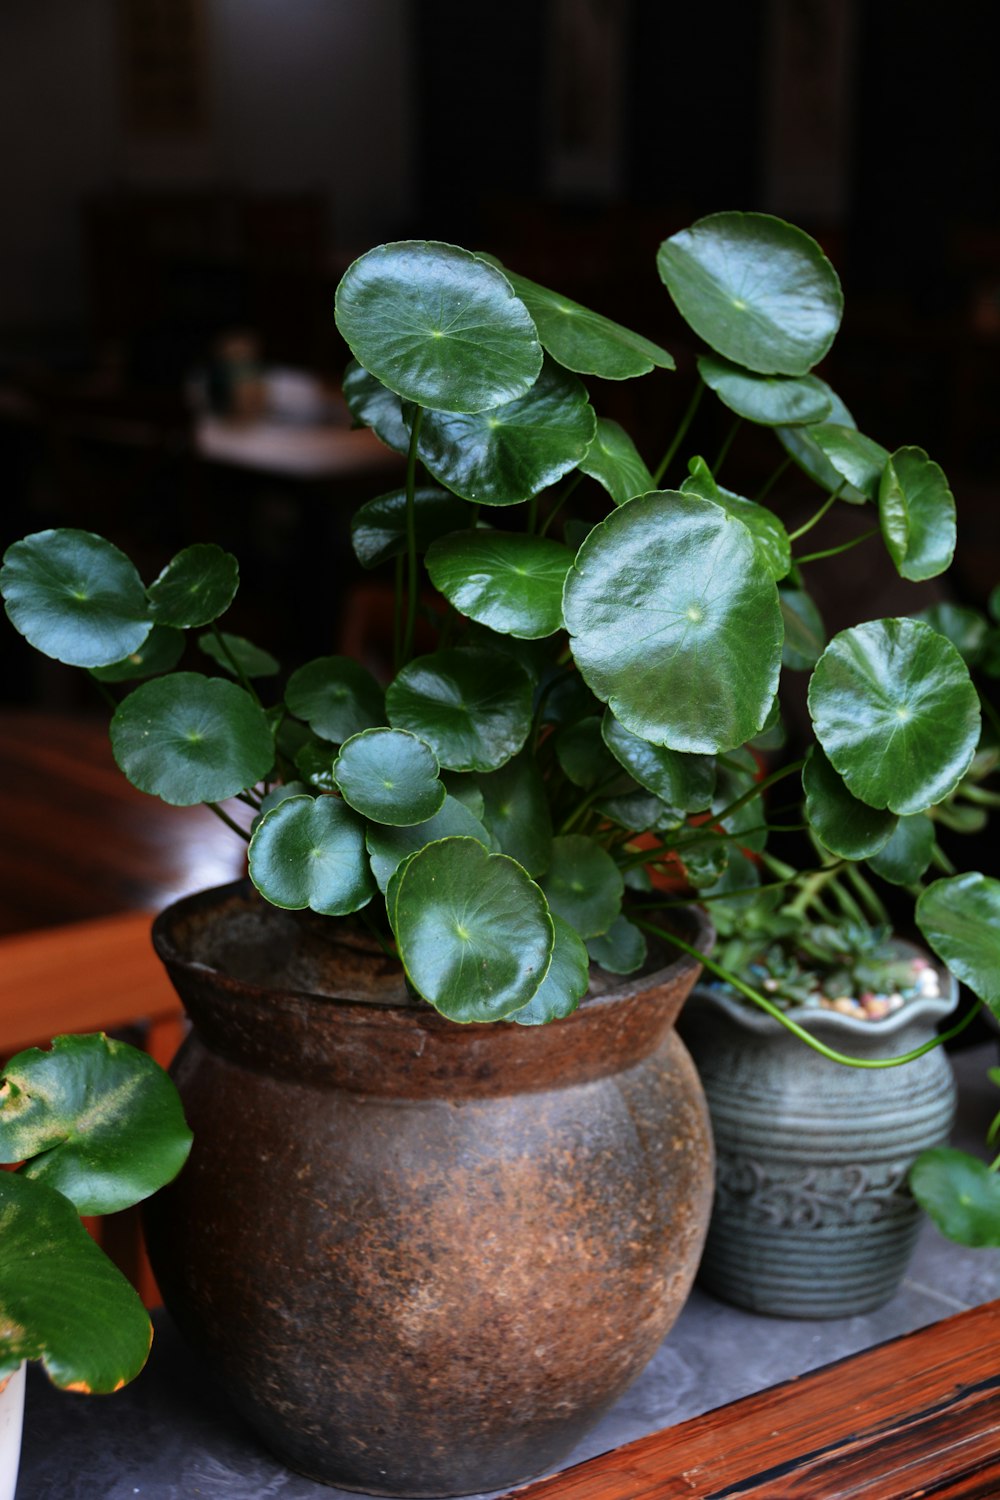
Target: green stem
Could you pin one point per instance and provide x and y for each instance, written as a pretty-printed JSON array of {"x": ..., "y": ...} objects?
[
  {"x": 768, "y": 486},
  {"x": 679, "y": 435},
  {"x": 793, "y": 536},
  {"x": 758, "y": 788},
  {"x": 532, "y": 514},
  {"x": 979, "y": 795},
  {"x": 793, "y": 1026},
  {"x": 866, "y": 536},
  {"x": 727, "y": 444},
  {"x": 106, "y": 694},
  {"x": 560, "y": 502},
  {"x": 812, "y": 885},
  {"x": 941, "y": 862},
  {"x": 219, "y": 813},
  {"x": 397, "y": 614},
  {"x": 872, "y": 901},
  {"x": 411, "y": 537},
  {"x": 244, "y": 680}
]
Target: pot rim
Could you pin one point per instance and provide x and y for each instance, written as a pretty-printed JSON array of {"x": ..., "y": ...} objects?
[{"x": 693, "y": 920}]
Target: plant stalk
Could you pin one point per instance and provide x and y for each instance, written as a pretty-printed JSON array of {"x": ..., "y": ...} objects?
[
  {"x": 679, "y": 435},
  {"x": 411, "y": 537},
  {"x": 865, "y": 536}
]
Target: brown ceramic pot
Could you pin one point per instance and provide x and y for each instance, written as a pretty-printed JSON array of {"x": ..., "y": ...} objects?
[{"x": 423, "y": 1258}]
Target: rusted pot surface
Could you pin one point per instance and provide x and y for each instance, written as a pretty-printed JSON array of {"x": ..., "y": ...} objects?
[{"x": 423, "y": 1258}]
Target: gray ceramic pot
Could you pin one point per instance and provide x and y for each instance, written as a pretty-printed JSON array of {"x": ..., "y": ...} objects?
[{"x": 813, "y": 1217}]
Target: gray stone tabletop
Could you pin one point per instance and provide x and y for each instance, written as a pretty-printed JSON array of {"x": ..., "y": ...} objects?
[{"x": 172, "y": 1436}]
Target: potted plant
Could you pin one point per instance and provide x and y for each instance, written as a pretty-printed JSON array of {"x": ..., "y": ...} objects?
[
  {"x": 94, "y": 1126},
  {"x": 424, "y": 1255}
]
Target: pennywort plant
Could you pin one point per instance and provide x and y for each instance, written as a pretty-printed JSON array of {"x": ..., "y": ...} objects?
[{"x": 507, "y": 808}]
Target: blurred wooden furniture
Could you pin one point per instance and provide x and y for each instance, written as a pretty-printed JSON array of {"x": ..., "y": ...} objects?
[{"x": 917, "y": 1416}]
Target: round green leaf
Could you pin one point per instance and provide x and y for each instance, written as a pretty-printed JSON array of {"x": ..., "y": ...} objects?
[
  {"x": 473, "y": 929},
  {"x": 896, "y": 712},
  {"x": 508, "y": 581},
  {"x": 917, "y": 514},
  {"x": 235, "y": 654},
  {"x": 378, "y": 529},
  {"x": 965, "y": 628},
  {"x": 636, "y": 810},
  {"x": 565, "y": 984},
  {"x": 372, "y": 405},
  {"x": 614, "y": 461},
  {"x": 195, "y": 587},
  {"x": 102, "y": 1120},
  {"x": 960, "y": 920},
  {"x": 960, "y": 1193},
  {"x": 908, "y": 852},
  {"x": 857, "y": 460},
  {"x": 770, "y": 400},
  {"x": 845, "y": 825},
  {"x": 676, "y": 622},
  {"x": 473, "y": 707},
  {"x": 389, "y": 776},
  {"x": 805, "y": 633},
  {"x": 762, "y": 524},
  {"x": 160, "y": 652},
  {"x": 509, "y": 453},
  {"x": 582, "y": 753},
  {"x": 620, "y": 950},
  {"x": 438, "y": 326},
  {"x": 310, "y": 852},
  {"x": 314, "y": 761},
  {"x": 757, "y": 290},
  {"x": 336, "y": 696},
  {"x": 188, "y": 738},
  {"x": 389, "y": 847},
  {"x": 583, "y": 885},
  {"x": 63, "y": 1301},
  {"x": 800, "y": 445},
  {"x": 75, "y": 597},
  {"x": 683, "y": 781},
  {"x": 516, "y": 812},
  {"x": 585, "y": 341}
]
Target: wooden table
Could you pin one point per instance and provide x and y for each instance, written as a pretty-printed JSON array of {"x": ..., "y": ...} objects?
[{"x": 918, "y": 1416}]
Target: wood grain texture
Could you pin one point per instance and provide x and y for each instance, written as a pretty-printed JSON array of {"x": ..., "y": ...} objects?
[{"x": 918, "y": 1416}]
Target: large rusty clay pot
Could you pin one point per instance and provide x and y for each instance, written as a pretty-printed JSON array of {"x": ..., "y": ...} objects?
[{"x": 422, "y": 1258}]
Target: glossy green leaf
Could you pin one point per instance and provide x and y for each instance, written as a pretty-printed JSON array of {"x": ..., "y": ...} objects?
[
  {"x": 507, "y": 454},
  {"x": 907, "y": 854},
  {"x": 857, "y": 460},
  {"x": 188, "y": 738},
  {"x": 770, "y": 400},
  {"x": 276, "y": 796},
  {"x": 473, "y": 707},
  {"x": 389, "y": 776},
  {"x": 516, "y": 812},
  {"x": 620, "y": 950},
  {"x": 473, "y": 929},
  {"x": 585, "y": 341},
  {"x": 763, "y": 525},
  {"x": 75, "y": 597},
  {"x": 917, "y": 514},
  {"x": 706, "y": 860},
  {"x": 583, "y": 885},
  {"x": 567, "y": 699},
  {"x": 196, "y": 586},
  {"x": 314, "y": 761},
  {"x": 965, "y": 628},
  {"x": 102, "y": 1120},
  {"x": 373, "y": 405},
  {"x": 582, "y": 753},
  {"x": 615, "y": 462},
  {"x": 960, "y": 920},
  {"x": 676, "y": 624},
  {"x": 680, "y": 780},
  {"x": 800, "y": 445},
  {"x": 629, "y": 806},
  {"x": 960, "y": 1193},
  {"x": 235, "y": 654},
  {"x": 438, "y": 326},
  {"x": 464, "y": 787},
  {"x": 336, "y": 696},
  {"x": 565, "y": 984},
  {"x": 378, "y": 528},
  {"x": 736, "y": 775},
  {"x": 310, "y": 852},
  {"x": 895, "y": 710},
  {"x": 160, "y": 652},
  {"x": 508, "y": 581},
  {"x": 61, "y": 1299},
  {"x": 805, "y": 633},
  {"x": 389, "y": 847},
  {"x": 759, "y": 291},
  {"x": 842, "y": 823}
]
